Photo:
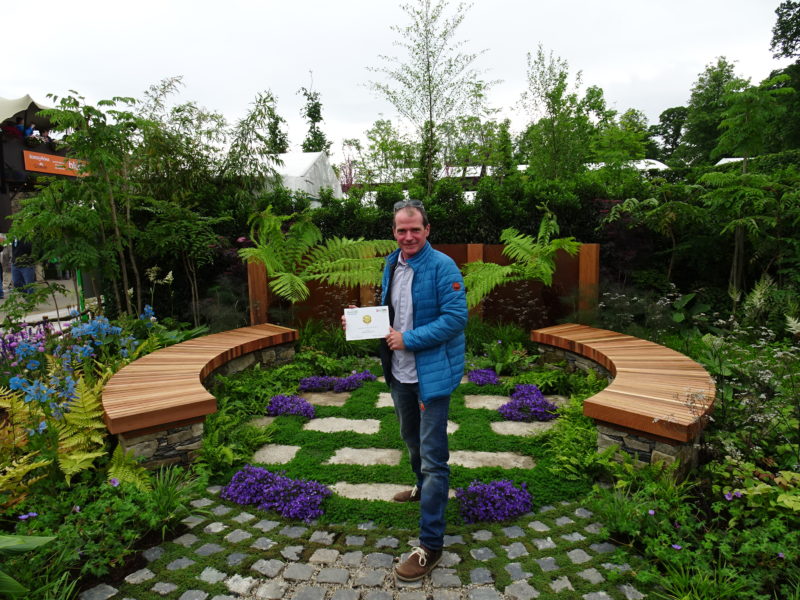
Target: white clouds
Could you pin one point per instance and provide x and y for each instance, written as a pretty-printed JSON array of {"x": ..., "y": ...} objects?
[{"x": 645, "y": 54}]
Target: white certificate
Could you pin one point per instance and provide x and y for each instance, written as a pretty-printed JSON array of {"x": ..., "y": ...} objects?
[{"x": 367, "y": 323}]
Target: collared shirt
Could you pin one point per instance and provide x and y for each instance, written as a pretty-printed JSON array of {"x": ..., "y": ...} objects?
[{"x": 404, "y": 366}]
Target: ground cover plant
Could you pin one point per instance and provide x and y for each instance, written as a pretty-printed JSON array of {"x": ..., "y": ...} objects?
[{"x": 730, "y": 530}]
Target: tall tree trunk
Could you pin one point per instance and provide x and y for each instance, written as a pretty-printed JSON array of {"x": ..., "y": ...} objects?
[
  {"x": 118, "y": 245},
  {"x": 113, "y": 278},
  {"x": 134, "y": 267},
  {"x": 191, "y": 275}
]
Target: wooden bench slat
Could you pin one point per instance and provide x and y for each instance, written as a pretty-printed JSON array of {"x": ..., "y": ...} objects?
[
  {"x": 656, "y": 390},
  {"x": 165, "y": 386}
]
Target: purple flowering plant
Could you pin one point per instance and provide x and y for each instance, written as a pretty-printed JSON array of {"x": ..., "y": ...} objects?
[
  {"x": 290, "y": 405},
  {"x": 483, "y": 377},
  {"x": 292, "y": 498},
  {"x": 327, "y": 383},
  {"x": 528, "y": 404},
  {"x": 497, "y": 500}
]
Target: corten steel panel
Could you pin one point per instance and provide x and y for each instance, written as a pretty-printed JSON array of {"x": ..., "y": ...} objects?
[
  {"x": 166, "y": 386},
  {"x": 258, "y": 294}
]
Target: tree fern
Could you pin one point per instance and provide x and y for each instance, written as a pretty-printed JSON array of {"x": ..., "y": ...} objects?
[
  {"x": 533, "y": 259},
  {"x": 298, "y": 255}
]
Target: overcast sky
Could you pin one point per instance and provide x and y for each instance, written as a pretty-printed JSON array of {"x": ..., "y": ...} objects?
[{"x": 644, "y": 54}]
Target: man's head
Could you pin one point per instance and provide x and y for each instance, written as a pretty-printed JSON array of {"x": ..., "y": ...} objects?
[{"x": 410, "y": 226}]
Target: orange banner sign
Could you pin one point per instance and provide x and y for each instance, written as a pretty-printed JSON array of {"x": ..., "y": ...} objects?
[{"x": 50, "y": 163}]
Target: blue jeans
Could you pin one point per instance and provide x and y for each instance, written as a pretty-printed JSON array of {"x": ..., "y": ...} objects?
[
  {"x": 425, "y": 435},
  {"x": 21, "y": 276}
]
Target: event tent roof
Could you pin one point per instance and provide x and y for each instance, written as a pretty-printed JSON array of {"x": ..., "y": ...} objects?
[
  {"x": 308, "y": 172},
  {"x": 25, "y": 107}
]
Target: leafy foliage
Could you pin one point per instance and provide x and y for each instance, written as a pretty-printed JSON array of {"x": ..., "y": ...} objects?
[{"x": 532, "y": 259}]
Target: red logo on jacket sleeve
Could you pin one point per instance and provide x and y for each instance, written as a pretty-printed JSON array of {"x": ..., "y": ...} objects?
[{"x": 456, "y": 286}]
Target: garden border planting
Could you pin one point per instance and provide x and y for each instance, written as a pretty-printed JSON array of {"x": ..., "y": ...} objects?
[
  {"x": 658, "y": 401},
  {"x": 157, "y": 403}
]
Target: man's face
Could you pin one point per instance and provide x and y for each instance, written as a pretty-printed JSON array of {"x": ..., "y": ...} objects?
[{"x": 409, "y": 232}]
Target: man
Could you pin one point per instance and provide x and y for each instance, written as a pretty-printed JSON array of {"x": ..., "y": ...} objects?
[
  {"x": 423, "y": 362},
  {"x": 23, "y": 265}
]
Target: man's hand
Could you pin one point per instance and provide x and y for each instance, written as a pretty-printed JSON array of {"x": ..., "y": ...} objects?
[
  {"x": 344, "y": 321},
  {"x": 395, "y": 340}
]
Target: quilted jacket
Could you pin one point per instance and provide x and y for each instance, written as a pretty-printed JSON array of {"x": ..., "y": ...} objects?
[{"x": 440, "y": 315}]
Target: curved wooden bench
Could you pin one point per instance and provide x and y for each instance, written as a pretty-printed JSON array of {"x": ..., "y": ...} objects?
[
  {"x": 656, "y": 391},
  {"x": 165, "y": 389}
]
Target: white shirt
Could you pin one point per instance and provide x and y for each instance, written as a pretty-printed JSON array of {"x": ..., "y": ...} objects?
[{"x": 404, "y": 365}]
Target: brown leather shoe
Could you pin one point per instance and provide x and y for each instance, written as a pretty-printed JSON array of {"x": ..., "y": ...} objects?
[
  {"x": 411, "y": 495},
  {"x": 419, "y": 563}
]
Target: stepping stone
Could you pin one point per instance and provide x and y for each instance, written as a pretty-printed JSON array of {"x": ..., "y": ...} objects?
[
  {"x": 327, "y": 398},
  {"x": 480, "y": 575},
  {"x": 336, "y": 576},
  {"x": 240, "y": 585},
  {"x": 235, "y": 558},
  {"x": 211, "y": 575},
  {"x": 99, "y": 592},
  {"x": 140, "y": 576},
  {"x": 630, "y": 592},
  {"x": 515, "y": 571},
  {"x": 385, "y": 400},
  {"x": 324, "y": 556},
  {"x": 275, "y": 454},
  {"x": 371, "y": 491},
  {"x": 538, "y": 526},
  {"x": 365, "y": 456},
  {"x": 262, "y": 422},
  {"x": 591, "y": 575},
  {"x": 337, "y": 424},
  {"x": 451, "y": 427},
  {"x": 520, "y": 428},
  {"x": 488, "y": 402},
  {"x": 561, "y": 584},
  {"x": 520, "y": 590},
  {"x": 268, "y": 568},
  {"x": 547, "y": 564},
  {"x": 505, "y": 460},
  {"x": 578, "y": 556},
  {"x": 559, "y": 401}
]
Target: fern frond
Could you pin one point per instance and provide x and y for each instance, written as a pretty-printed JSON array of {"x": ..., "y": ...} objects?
[
  {"x": 350, "y": 272},
  {"x": 289, "y": 286},
  {"x": 75, "y": 462},
  {"x": 15, "y": 478},
  {"x": 481, "y": 278},
  {"x": 125, "y": 467},
  {"x": 519, "y": 247}
]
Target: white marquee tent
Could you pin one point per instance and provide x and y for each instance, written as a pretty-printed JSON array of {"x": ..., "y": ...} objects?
[
  {"x": 25, "y": 107},
  {"x": 308, "y": 172}
]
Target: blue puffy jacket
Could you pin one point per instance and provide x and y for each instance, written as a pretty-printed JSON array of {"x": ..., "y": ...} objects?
[{"x": 440, "y": 315}]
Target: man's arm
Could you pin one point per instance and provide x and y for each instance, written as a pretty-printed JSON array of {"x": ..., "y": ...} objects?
[{"x": 452, "y": 316}]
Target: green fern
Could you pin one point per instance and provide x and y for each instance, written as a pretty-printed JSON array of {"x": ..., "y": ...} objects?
[
  {"x": 15, "y": 479},
  {"x": 125, "y": 468},
  {"x": 533, "y": 259},
  {"x": 73, "y": 463},
  {"x": 298, "y": 255}
]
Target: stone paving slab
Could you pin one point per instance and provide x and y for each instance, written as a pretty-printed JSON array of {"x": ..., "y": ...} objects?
[
  {"x": 506, "y": 460},
  {"x": 371, "y": 491},
  {"x": 485, "y": 401},
  {"x": 521, "y": 428},
  {"x": 326, "y": 398},
  {"x": 338, "y": 424},
  {"x": 365, "y": 456},
  {"x": 275, "y": 454}
]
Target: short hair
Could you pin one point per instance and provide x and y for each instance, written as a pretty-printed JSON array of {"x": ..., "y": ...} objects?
[{"x": 411, "y": 205}]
